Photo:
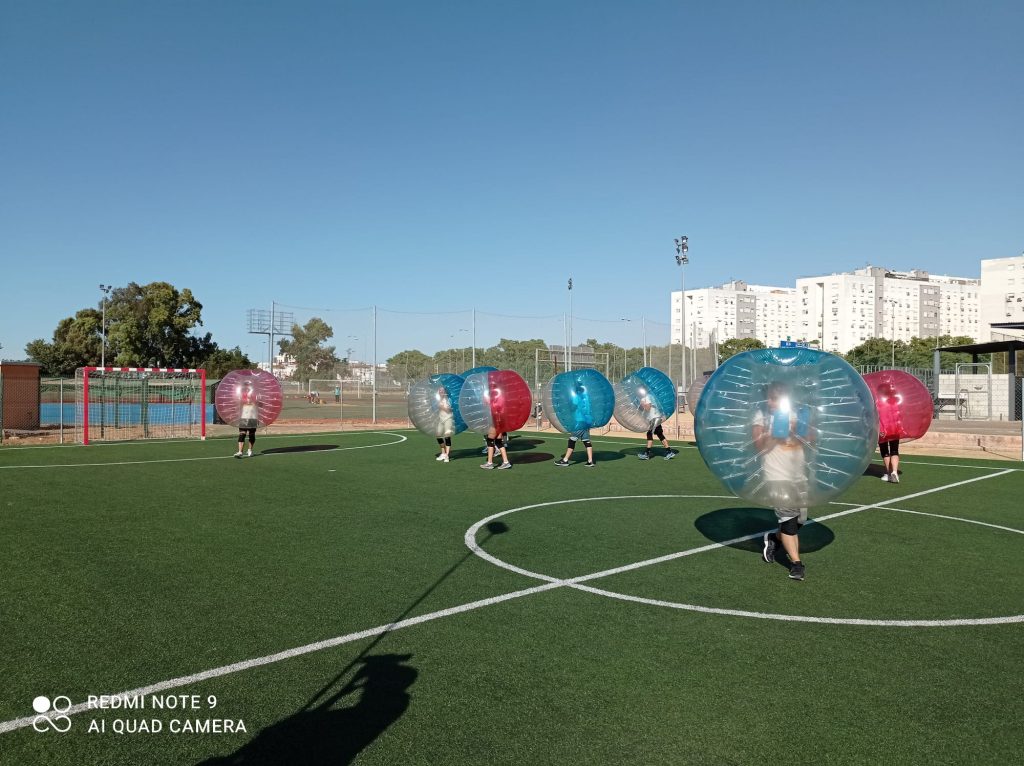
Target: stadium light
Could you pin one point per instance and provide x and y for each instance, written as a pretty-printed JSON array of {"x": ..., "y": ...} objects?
[{"x": 682, "y": 258}]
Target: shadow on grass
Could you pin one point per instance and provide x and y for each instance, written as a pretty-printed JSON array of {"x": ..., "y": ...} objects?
[
  {"x": 729, "y": 523},
  {"x": 374, "y": 697},
  {"x": 875, "y": 470},
  {"x": 320, "y": 735},
  {"x": 531, "y": 457},
  {"x": 298, "y": 448}
]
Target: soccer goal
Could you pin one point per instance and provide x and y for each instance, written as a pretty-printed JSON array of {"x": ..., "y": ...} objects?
[
  {"x": 121, "y": 403},
  {"x": 322, "y": 390}
]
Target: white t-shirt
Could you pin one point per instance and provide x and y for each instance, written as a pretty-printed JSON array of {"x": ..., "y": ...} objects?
[{"x": 784, "y": 461}]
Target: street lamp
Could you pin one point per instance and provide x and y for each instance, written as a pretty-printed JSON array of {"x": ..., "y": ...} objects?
[
  {"x": 569, "y": 350},
  {"x": 103, "y": 326},
  {"x": 682, "y": 258}
]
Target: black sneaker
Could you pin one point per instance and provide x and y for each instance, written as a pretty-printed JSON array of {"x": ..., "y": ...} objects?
[
  {"x": 563, "y": 462},
  {"x": 796, "y": 571},
  {"x": 768, "y": 554},
  {"x": 590, "y": 465}
]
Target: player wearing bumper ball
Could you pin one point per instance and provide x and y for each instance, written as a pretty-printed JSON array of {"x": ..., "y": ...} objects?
[{"x": 786, "y": 428}]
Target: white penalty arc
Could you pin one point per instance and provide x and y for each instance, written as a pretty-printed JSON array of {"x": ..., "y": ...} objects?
[{"x": 578, "y": 583}]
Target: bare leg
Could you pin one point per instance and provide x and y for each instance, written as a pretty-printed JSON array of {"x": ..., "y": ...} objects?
[{"x": 791, "y": 543}]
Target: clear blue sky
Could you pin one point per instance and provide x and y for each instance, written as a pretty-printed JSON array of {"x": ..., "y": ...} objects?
[{"x": 441, "y": 156}]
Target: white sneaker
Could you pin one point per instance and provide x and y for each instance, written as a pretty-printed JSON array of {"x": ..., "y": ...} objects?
[
  {"x": 238, "y": 454},
  {"x": 249, "y": 453},
  {"x": 444, "y": 458},
  {"x": 885, "y": 477},
  {"x": 440, "y": 458},
  {"x": 894, "y": 478},
  {"x": 504, "y": 466}
]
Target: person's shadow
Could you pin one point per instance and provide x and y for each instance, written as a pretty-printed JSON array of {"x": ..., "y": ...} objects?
[
  {"x": 321, "y": 734},
  {"x": 742, "y": 528}
]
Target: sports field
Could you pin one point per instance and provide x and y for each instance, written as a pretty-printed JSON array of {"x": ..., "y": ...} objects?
[{"x": 343, "y": 597}]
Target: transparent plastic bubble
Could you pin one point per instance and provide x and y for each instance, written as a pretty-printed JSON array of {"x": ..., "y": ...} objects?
[
  {"x": 434, "y": 405},
  {"x": 249, "y": 398},
  {"x": 494, "y": 402},
  {"x": 904, "y": 405},
  {"x": 578, "y": 400},
  {"x": 475, "y": 370},
  {"x": 695, "y": 390},
  {"x": 815, "y": 415},
  {"x": 644, "y": 397}
]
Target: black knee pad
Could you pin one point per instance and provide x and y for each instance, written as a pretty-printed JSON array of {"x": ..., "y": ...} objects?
[
  {"x": 650, "y": 435},
  {"x": 659, "y": 432},
  {"x": 440, "y": 440},
  {"x": 572, "y": 442},
  {"x": 447, "y": 441},
  {"x": 790, "y": 526},
  {"x": 587, "y": 444},
  {"x": 490, "y": 442}
]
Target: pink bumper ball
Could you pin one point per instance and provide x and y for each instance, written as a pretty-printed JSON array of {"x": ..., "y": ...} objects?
[
  {"x": 495, "y": 402},
  {"x": 904, "y": 405},
  {"x": 249, "y": 398}
]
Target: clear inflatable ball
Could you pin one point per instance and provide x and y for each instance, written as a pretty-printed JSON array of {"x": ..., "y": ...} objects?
[
  {"x": 904, "y": 405},
  {"x": 578, "y": 400},
  {"x": 643, "y": 399},
  {"x": 786, "y": 428},
  {"x": 495, "y": 402},
  {"x": 434, "y": 405},
  {"x": 249, "y": 398}
]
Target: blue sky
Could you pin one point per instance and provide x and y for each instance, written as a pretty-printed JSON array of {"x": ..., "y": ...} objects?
[{"x": 433, "y": 158}]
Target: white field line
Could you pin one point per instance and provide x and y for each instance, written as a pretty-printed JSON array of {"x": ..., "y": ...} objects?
[
  {"x": 624, "y": 441},
  {"x": 550, "y": 584},
  {"x": 210, "y": 457},
  {"x": 236, "y": 667},
  {"x": 470, "y": 536},
  {"x": 190, "y": 440}
]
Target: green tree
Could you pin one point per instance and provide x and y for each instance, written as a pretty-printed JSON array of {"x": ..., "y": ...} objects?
[
  {"x": 76, "y": 343},
  {"x": 406, "y": 366},
  {"x": 222, "y": 361},
  {"x": 152, "y": 325},
  {"x": 872, "y": 352},
  {"x": 915, "y": 353},
  {"x": 312, "y": 359},
  {"x": 733, "y": 346},
  {"x": 147, "y": 326},
  {"x": 920, "y": 352}
]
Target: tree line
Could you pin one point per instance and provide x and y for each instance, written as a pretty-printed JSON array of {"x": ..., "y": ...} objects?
[{"x": 155, "y": 325}]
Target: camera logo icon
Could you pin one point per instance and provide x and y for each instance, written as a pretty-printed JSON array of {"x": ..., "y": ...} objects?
[{"x": 52, "y": 714}]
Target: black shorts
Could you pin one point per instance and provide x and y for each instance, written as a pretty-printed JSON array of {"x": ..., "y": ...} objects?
[{"x": 889, "y": 448}]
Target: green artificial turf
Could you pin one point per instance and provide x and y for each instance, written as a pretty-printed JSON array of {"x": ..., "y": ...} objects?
[{"x": 128, "y": 565}]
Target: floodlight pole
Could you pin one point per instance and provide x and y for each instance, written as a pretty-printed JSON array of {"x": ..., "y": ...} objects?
[
  {"x": 568, "y": 350},
  {"x": 103, "y": 326},
  {"x": 682, "y": 258}
]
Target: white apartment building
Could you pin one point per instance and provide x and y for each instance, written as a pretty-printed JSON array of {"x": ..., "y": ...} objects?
[
  {"x": 1002, "y": 293},
  {"x": 841, "y": 311},
  {"x": 735, "y": 310}
]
